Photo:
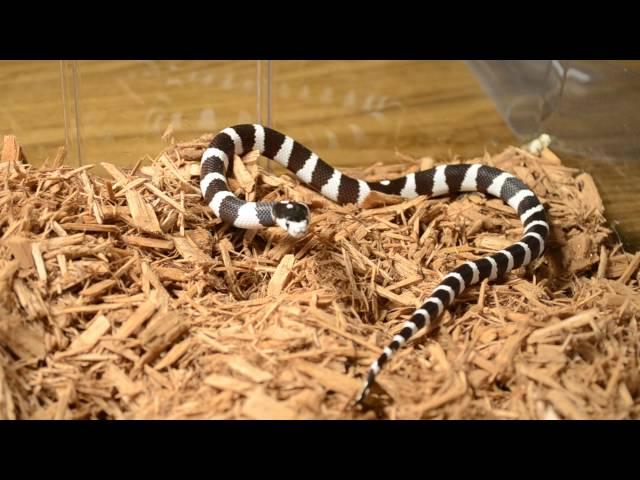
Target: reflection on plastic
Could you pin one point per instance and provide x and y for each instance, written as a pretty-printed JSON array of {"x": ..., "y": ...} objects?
[
  {"x": 190, "y": 96},
  {"x": 589, "y": 107}
]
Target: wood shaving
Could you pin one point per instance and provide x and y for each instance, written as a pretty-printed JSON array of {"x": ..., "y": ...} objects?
[{"x": 125, "y": 297}]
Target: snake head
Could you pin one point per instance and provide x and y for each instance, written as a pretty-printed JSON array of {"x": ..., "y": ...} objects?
[{"x": 292, "y": 216}]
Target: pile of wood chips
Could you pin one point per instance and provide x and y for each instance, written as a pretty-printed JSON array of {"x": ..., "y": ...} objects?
[{"x": 125, "y": 297}]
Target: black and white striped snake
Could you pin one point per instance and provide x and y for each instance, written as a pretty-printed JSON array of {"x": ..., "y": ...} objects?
[{"x": 330, "y": 182}]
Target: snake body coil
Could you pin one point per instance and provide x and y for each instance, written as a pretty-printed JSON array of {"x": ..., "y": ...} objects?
[{"x": 333, "y": 184}]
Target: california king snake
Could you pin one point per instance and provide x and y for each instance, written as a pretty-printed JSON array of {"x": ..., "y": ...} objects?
[{"x": 330, "y": 182}]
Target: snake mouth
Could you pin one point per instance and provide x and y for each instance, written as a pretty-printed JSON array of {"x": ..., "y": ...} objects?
[{"x": 295, "y": 229}]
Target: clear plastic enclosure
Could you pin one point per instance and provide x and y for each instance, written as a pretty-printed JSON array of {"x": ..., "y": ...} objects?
[{"x": 352, "y": 113}]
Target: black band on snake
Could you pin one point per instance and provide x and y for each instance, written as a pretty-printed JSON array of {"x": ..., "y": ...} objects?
[{"x": 330, "y": 182}]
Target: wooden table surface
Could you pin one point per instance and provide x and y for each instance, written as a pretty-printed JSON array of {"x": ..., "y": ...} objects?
[{"x": 352, "y": 113}]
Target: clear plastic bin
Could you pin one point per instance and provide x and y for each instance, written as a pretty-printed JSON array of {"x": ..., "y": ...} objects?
[{"x": 352, "y": 113}]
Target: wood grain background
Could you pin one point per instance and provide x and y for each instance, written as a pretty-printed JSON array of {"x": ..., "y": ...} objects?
[{"x": 352, "y": 113}]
